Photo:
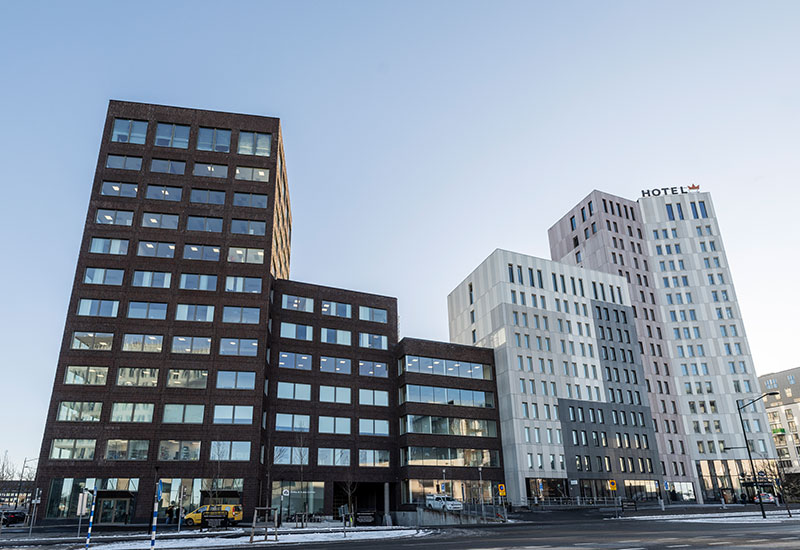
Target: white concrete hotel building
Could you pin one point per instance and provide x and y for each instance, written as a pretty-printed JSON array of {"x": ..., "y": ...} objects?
[{"x": 688, "y": 356}]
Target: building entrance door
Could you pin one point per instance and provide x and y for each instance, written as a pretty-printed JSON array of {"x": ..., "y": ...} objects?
[{"x": 114, "y": 510}]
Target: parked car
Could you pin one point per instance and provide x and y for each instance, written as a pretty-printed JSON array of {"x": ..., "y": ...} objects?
[
  {"x": 234, "y": 511},
  {"x": 766, "y": 498},
  {"x": 10, "y": 517},
  {"x": 443, "y": 502}
]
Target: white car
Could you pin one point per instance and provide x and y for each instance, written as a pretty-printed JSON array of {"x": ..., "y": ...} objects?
[{"x": 443, "y": 502}]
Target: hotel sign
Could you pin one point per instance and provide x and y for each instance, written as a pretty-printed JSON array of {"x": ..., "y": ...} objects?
[{"x": 669, "y": 191}]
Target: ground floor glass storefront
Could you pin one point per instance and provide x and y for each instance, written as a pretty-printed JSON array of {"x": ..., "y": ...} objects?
[
  {"x": 414, "y": 490},
  {"x": 303, "y": 497},
  {"x": 62, "y": 500},
  {"x": 733, "y": 480}
]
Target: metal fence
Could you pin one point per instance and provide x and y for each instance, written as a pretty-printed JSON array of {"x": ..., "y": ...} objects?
[{"x": 574, "y": 501}]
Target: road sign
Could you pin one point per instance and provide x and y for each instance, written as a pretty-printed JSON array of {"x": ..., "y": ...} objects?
[
  {"x": 541, "y": 486},
  {"x": 286, "y": 492},
  {"x": 666, "y": 485},
  {"x": 612, "y": 485},
  {"x": 501, "y": 490},
  {"x": 82, "y": 503}
]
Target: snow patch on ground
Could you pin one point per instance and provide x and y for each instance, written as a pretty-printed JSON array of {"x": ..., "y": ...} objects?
[
  {"x": 732, "y": 517},
  {"x": 245, "y": 540}
]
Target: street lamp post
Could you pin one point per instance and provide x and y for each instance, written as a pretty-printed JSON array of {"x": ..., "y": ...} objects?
[
  {"x": 21, "y": 476},
  {"x": 750, "y": 454},
  {"x": 480, "y": 476}
]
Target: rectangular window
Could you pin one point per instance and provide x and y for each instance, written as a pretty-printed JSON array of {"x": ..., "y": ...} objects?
[
  {"x": 369, "y": 426},
  {"x": 243, "y": 284},
  {"x": 172, "y": 135},
  {"x": 233, "y": 414},
  {"x": 95, "y": 341},
  {"x": 191, "y": 281},
  {"x": 244, "y": 315},
  {"x": 202, "y": 223},
  {"x": 373, "y": 314},
  {"x": 290, "y": 455},
  {"x": 147, "y": 310},
  {"x": 167, "y": 166},
  {"x": 103, "y": 276},
  {"x": 159, "y": 221},
  {"x": 248, "y": 227},
  {"x": 164, "y": 193},
  {"x": 292, "y": 422},
  {"x": 299, "y": 361},
  {"x": 250, "y": 200},
  {"x": 245, "y": 255},
  {"x": 335, "y": 336},
  {"x": 372, "y": 341},
  {"x": 295, "y": 391},
  {"x": 194, "y": 312},
  {"x": 171, "y": 449},
  {"x": 373, "y": 368},
  {"x": 207, "y": 196},
  {"x": 377, "y": 398},
  {"x": 236, "y": 380},
  {"x": 73, "y": 449},
  {"x": 197, "y": 345},
  {"x": 214, "y": 139},
  {"x": 118, "y": 189},
  {"x": 230, "y": 451},
  {"x": 297, "y": 332},
  {"x": 337, "y": 309},
  {"x": 137, "y": 376},
  {"x": 127, "y": 449},
  {"x": 373, "y": 458},
  {"x": 251, "y": 174},
  {"x": 210, "y": 170},
  {"x": 116, "y": 247},
  {"x": 333, "y": 457},
  {"x": 187, "y": 378},
  {"x": 86, "y": 376},
  {"x": 152, "y": 279},
  {"x": 208, "y": 253},
  {"x": 334, "y": 394},
  {"x": 120, "y": 162},
  {"x": 129, "y": 131},
  {"x": 79, "y": 411},
  {"x": 147, "y": 343},
  {"x": 132, "y": 412},
  {"x": 114, "y": 217},
  {"x": 297, "y": 303},
  {"x": 244, "y": 347},
  {"x": 254, "y": 143},
  {"x": 180, "y": 413},
  {"x": 336, "y": 365},
  {"x": 98, "y": 308},
  {"x": 339, "y": 425},
  {"x": 155, "y": 249}
]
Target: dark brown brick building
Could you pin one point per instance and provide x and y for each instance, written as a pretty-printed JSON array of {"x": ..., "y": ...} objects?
[{"x": 189, "y": 357}]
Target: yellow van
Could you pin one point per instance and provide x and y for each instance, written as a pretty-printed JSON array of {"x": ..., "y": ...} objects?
[{"x": 235, "y": 513}]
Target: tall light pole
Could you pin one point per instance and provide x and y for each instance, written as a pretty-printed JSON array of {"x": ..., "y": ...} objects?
[
  {"x": 747, "y": 446},
  {"x": 480, "y": 476},
  {"x": 21, "y": 476}
]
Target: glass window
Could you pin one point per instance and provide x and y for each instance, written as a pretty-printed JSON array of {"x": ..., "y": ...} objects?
[
  {"x": 292, "y": 422},
  {"x": 246, "y": 255},
  {"x": 86, "y": 376},
  {"x": 167, "y": 166},
  {"x": 254, "y": 143},
  {"x": 207, "y": 196},
  {"x": 233, "y": 414},
  {"x": 98, "y": 308},
  {"x": 147, "y": 310},
  {"x": 95, "y": 341},
  {"x": 156, "y": 249},
  {"x": 373, "y": 368},
  {"x": 248, "y": 227},
  {"x": 117, "y": 189},
  {"x": 114, "y": 217},
  {"x": 117, "y": 247},
  {"x": 147, "y": 343},
  {"x": 79, "y": 411},
  {"x": 244, "y": 315},
  {"x": 137, "y": 376},
  {"x": 214, "y": 139},
  {"x": 152, "y": 279},
  {"x": 373, "y": 458},
  {"x": 337, "y": 309},
  {"x": 297, "y": 332},
  {"x": 172, "y": 449},
  {"x": 207, "y": 253},
  {"x": 132, "y": 412},
  {"x": 172, "y": 135},
  {"x": 120, "y": 162},
  {"x": 378, "y": 398},
  {"x": 251, "y": 200},
  {"x": 369, "y": 426},
  {"x": 127, "y": 449},
  {"x": 374, "y": 314},
  {"x": 180, "y": 413},
  {"x": 194, "y": 312},
  {"x": 187, "y": 378},
  {"x": 73, "y": 449},
  {"x": 298, "y": 303},
  {"x": 243, "y": 284},
  {"x": 160, "y": 221},
  {"x": 197, "y": 345},
  {"x": 164, "y": 193},
  {"x": 230, "y": 450},
  {"x": 334, "y": 425},
  {"x": 191, "y": 281},
  {"x": 300, "y": 361},
  {"x": 246, "y": 347},
  {"x": 372, "y": 341},
  {"x": 335, "y": 336},
  {"x": 201, "y": 223},
  {"x": 210, "y": 170},
  {"x": 129, "y": 131},
  {"x": 252, "y": 174},
  {"x": 236, "y": 380},
  {"x": 103, "y": 276},
  {"x": 337, "y": 365},
  {"x": 333, "y": 457},
  {"x": 334, "y": 394},
  {"x": 290, "y": 455}
]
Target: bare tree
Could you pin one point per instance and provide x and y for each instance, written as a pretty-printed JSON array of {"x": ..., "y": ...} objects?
[
  {"x": 349, "y": 485},
  {"x": 7, "y": 469}
]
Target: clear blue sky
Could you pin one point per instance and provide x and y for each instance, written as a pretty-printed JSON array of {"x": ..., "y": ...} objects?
[{"x": 419, "y": 137}]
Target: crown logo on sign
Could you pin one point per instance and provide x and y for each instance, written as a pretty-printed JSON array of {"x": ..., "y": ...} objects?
[{"x": 694, "y": 187}]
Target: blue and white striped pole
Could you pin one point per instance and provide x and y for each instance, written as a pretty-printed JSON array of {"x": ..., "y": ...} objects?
[
  {"x": 155, "y": 514},
  {"x": 91, "y": 517}
]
